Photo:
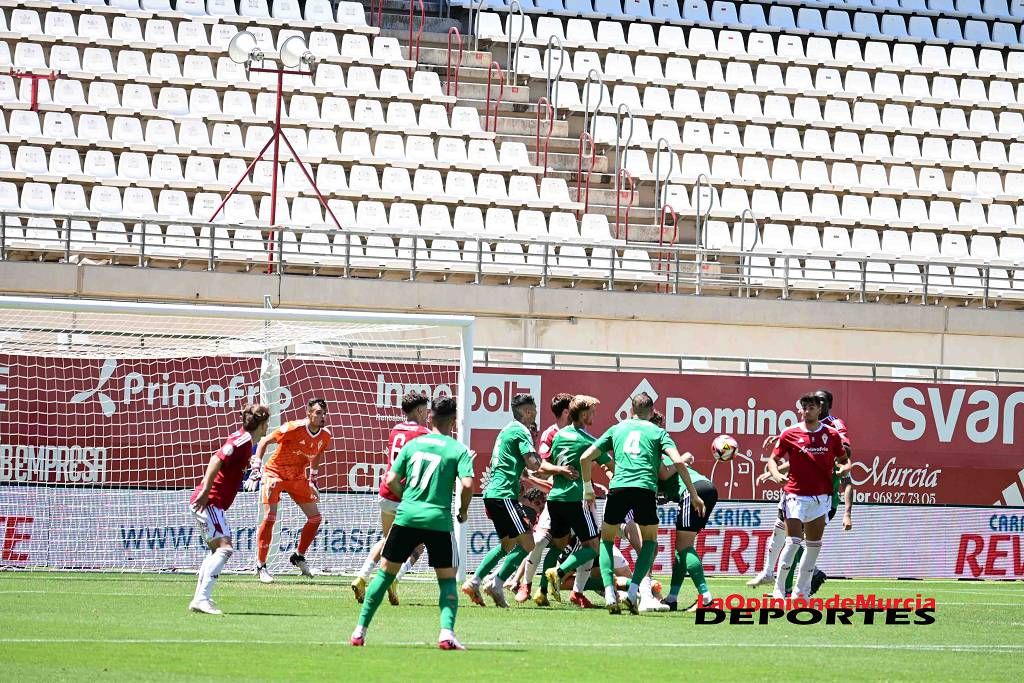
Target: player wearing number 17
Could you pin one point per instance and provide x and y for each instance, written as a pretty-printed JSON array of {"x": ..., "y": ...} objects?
[
  {"x": 429, "y": 468},
  {"x": 638, "y": 446}
]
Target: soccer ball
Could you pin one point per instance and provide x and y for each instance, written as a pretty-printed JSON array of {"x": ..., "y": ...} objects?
[{"x": 724, "y": 447}]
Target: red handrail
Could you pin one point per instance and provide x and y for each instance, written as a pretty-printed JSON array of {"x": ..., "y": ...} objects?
[
  {"x": 667, "y": 208},
  {"x": 33, "y": 93},
  {"x": 419, "y": 34},
  {"x": 501, "y": 91},
  {"x": 448, "y": 73},
  {"x": 584, "y": 137},
  {"x": 544, "y": 105},
  {"x": 380, "y": 11},
  {"x": 623, "y": 173}
]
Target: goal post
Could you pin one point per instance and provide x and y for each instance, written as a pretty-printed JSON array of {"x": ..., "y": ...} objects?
[{"x": 110, "y": 411}]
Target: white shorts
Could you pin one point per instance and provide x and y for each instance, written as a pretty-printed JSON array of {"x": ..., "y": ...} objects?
[
  {"x": 388, "y": 507},
  {"x": 212, "y": 523},
  {"x": 806, "y": 508},
  {"x": 543, "y": 527}
]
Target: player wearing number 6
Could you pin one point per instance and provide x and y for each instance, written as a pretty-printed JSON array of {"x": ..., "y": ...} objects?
[
  {"x": 429, "y": 466},
  {"x": 638, "y": 446},
  {"x": 214, "y": 496}
]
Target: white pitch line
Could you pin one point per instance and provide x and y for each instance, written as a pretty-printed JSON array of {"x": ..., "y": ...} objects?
[{"x": 1008, "y": 649}]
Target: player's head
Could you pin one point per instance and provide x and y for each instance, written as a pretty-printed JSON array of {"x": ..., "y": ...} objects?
[
  {"x": 414, "y": 405},
  {"x": 582, "y": 409},
  {"x": 444, "y": 410},
  {"x": 811, "y": 405},
  {"x": 254, "y": 420},
  {"x": 560, "y": 404},
  {"x": 524, "y": 408},
  {"x": 657, "y": 418},
  {"x": 316, "y": 412},
  {"x": 643, "y": 405},
  {"x": 826, "y": 396}
]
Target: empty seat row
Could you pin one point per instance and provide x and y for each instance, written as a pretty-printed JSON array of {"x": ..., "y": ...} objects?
[
  {"x": 826, "y": 207},
  {"x": 317, "y": 11}
]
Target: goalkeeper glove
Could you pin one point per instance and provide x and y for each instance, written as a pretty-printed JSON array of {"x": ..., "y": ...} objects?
[{"x": 253, "y": 481}]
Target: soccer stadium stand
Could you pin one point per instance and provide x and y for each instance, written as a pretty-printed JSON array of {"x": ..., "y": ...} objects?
[{"x": 874, "y": 145}]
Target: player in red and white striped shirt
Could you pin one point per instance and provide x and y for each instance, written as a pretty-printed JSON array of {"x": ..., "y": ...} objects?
[
  {"x": 417, "y": 413},
  {"x": 214, "y": 495},
  {"x": 542, "y": 531},
  {"x": 812, "y": 449}
]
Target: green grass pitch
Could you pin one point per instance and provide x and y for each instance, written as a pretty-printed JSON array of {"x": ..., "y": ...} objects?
[{"x": 96, "y": 627}]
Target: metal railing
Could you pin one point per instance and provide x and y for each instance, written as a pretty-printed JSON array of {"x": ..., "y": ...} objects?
[
  {"x": 148, "y": 241},
  {"x": 451, "y": 77},
  {"x": 513, "y": 52},
  {"x": 544, "y": 106},
  {"x": 551, "y": 83}
]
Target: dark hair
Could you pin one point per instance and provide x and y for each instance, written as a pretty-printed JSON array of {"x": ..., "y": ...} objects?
[
  {"x": 560, "y": 402},
  {"x": 253, "y": 416},
  {"x": 813, "y": 399},
  {"x": 316, "y": 401},
  {"x": 520, "y": 401},
  {"x": 826, "y": 395},
  {"x": 657, "y": 418},
  {"x": 642, "y": 405},
  {"x": 412, "y": 401},
  {"x": 444, "y": 408}
]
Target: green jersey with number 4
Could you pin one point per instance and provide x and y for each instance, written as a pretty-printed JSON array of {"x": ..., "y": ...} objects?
[
  {"x": 568, "y": 447},
  {"x": 508, "y": 460},
  {"x": 638, "y": 446},
  {"x": 430, "y": 465}
]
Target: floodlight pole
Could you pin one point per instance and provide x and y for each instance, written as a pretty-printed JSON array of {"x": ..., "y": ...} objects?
[{"x": 275, "y": 139}]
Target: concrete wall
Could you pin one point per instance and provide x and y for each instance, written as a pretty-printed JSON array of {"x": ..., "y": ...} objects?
[{"x": 586, "y": 320}]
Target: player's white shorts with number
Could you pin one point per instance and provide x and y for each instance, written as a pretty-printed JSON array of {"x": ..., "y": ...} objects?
[
  {"x": 212, "y": 523},
  {"x": 388, "y": 507},
  {"x": 806, "y": 508}
]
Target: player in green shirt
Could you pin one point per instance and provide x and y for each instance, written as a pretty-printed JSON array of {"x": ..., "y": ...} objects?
[
  {"x": 689, "y": 523},
  {"x": 513, "y": 452},
  {"x": 566, "y": 507},
  {"x": 430, "y": 466},
  {"x": 638, "y": 446}
]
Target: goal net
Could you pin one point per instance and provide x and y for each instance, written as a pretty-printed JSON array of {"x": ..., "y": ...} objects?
[{"x": 109, "y": 413}]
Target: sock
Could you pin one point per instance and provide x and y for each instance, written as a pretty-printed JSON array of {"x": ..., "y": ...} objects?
[
  {"x": 550, "y": 560},
  {"x": 533, "y": 560},
  {"x": 512, "y": 562},
  {"x": 778, "y": 540},
  {"x": 644, "y": 562},
  {"x": 201, "y": 575},
  {"x": 367, "y": 568},
  {"x": 695, "y": 568},
  {"x": 374, "y": 596},
  {"x": 488, "y": 563},
  {"x": 308, "y": 533},
  {"x": 607, "y": 560},
  {"x": 579, "y": 583},
  {"x": 582, "y": 556},
  {"x": 810, "y": 558},
  {"x": 410, "y": 563},
  {"x": 448, "y": 601},
  {"x": 785, "y": 562},
  {"x": 645, "y": 588},
  {"x": 214, "y": 564},
  {"x": 792, "y": 570},
  {"x": 678, "y": 573},
  {"x": 263, "y": 537}
]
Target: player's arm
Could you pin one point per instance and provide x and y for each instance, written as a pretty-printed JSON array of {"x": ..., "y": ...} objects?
[
  {"x": 773, "y": 464},
  {"x": 397, "y": 474},
  {"x": 848, "y": 506},
  {"x": 202, "y": 500},
  {"x": 465, "y": 497},
  {"x": 680, "y": 464},
  {"x": 393, "y": 482}
]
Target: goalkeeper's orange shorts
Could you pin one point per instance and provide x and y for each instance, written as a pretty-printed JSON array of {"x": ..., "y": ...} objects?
[{"x": 298, "y": 489}]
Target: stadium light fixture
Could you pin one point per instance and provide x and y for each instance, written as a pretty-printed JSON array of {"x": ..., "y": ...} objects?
[{"x": 293, "y": 59}]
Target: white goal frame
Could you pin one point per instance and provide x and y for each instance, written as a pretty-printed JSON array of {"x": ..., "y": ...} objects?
[{"x": 464, "y": 325}]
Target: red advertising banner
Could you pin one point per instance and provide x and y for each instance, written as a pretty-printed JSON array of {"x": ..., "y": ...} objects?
[{"x": 154, "y": 423}]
